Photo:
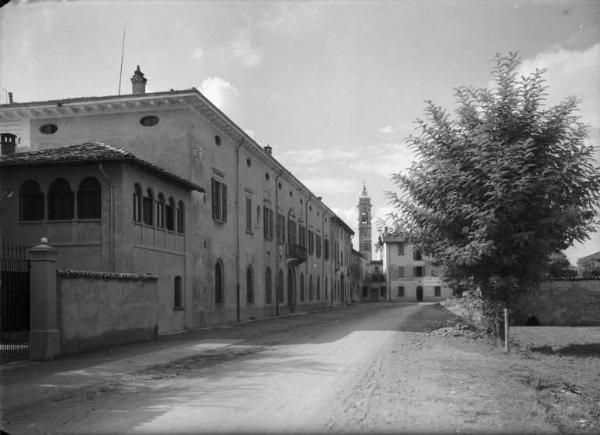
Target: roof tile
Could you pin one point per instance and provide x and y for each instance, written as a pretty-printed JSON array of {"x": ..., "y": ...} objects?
[{"x": 87, "y": 152}]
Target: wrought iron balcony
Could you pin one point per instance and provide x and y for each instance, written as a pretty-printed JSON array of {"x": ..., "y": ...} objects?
[
  {"x": 375, "y": 277},
  {"x": 295, "y": 253}
]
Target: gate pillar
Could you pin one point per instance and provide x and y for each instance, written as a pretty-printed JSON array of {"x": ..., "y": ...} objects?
[{"x": 44, "y": 336}]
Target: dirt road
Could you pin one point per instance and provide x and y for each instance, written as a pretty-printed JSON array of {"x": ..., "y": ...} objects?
[{"x": 366, "y": 368}]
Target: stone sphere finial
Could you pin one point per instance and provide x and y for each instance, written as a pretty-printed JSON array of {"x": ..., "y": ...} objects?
[{"x": 44, "y": 240}]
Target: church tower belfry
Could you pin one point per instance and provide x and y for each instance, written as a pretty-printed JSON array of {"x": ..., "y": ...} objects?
[{"x": 364, "y": 224}]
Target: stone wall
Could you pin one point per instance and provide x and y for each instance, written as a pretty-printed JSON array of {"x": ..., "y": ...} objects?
[
  {"x": 561, "y": 303},
  {"x": 98, "y": 309}
]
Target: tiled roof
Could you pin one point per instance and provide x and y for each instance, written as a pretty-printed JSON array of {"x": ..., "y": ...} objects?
[{"x": 85, "y": 153}]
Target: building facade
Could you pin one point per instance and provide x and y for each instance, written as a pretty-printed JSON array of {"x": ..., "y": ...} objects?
[
  {"x": 254, "y": 240},
  {"x": 408, "y": 274}
]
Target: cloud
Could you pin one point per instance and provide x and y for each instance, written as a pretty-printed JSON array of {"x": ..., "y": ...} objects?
[
  {"x": 220, "y": 92},
  {"x": 198, "y": 53},
  {"x": 571, "y": 73},
  {"x": 305, "y": 157},
  {"x": 383, "y": 159},
  {"x": 242, "y": 50},
  {"x": 388, "y": 129},
  {"x": 349, "y": 216},
  {"x": 328, "y": 185}
]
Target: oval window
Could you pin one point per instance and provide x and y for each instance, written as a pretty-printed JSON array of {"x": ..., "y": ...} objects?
[
  {"x": 218, "y": 140},
  {"x": 48, "y": 129},
  {"x": 149, "y": 121}
]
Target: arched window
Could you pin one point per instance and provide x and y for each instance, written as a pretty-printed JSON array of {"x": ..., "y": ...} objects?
[
  {"x": 180, "y": 217},
  {"x": 60, "y": 200},
  {"x": 301, "y": 288},
  {"x": 268, "y": 286},
  {"x": 310, "y": 289},
  {"x": 249, "y": 285},
  {"x": 32, "y": 201},
  {"x": 280, "y": 286},
  {"x": 318, "y": 288},
  {"x": 89, "y": 199},
  {"x": 219, "y": 281},
  {"x": 177, "y": 293},
  {"x": 170, "y": 214},
  {"x": 137, "y": 203},
  {"x": 160, "y": 211},
  {"x": 148, "y": 203}
]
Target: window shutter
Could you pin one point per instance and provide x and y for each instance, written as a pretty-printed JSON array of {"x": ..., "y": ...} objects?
[
  {"x": 224, "y": 202},
  {"x": 214, "y": 202},
  {"x": 249, "y": 214},
  {"x": 265, "y": 223}
]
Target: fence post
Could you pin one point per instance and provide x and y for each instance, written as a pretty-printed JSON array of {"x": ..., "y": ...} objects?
[
  {"x": 506, "y": 330},
  {"x": 44, "y": 336}
]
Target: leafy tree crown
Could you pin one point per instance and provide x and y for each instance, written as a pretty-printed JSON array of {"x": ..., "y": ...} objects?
[{"x": 502, "y": 184}]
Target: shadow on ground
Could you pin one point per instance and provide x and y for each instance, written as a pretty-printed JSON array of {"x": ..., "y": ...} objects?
[{"x": 584, "y": 350}]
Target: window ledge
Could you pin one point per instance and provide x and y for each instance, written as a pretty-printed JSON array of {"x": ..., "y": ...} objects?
[{"x": 178, "y": 308}]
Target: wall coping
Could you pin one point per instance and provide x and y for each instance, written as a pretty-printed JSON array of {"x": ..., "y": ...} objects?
[
  {"x": 594, "y": 277},
  {"x": 69, "y": 273}
]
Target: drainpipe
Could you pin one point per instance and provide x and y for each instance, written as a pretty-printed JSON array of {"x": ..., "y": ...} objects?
[
  {"x": 323, "y": 254},
  {"x": 111, "y": 218},
  {"x": 306, "y": 240},
  {"x": 237, "y": 230},
  {"x": 277, "y": 245}
]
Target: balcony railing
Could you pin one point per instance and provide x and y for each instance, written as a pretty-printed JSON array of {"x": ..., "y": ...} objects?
[
  {"x": 295, "y": 253},
  {"x": 375, "y": 277}
]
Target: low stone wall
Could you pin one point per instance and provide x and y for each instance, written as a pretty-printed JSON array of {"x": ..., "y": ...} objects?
[
  {"x": 98, "y": 309},
  {"x": 561, "y": 303}
]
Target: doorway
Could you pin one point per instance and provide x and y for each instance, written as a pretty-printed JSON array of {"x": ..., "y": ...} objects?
[
  {"x": 419, "y": 293},
  {"x": 291, "y": 290}
]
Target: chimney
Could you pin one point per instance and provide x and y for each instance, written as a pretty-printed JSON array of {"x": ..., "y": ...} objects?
[
  {"x": 138, "y": 82},
  {"x": 269, "y": 150},
  {"x": 8, "y": 143}
]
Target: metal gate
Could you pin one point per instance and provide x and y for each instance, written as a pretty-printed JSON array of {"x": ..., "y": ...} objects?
[{"x": 14, "y": 303}]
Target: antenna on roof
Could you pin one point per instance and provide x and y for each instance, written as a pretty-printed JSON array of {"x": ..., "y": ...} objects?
[{"x": 122, "y": 55}]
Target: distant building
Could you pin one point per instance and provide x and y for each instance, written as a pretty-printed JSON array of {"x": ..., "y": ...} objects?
[
  {"x": 589, "y": 265},
  {"x": 409, "y": 276},
  {"x": 364, "y": 225}
]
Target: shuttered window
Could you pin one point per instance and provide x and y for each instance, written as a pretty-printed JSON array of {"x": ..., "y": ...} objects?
[
  {"x": 280, "y": 229},
  {"x": 219, "y": 200},
  {"x": 248, "y": 215},
  {"x": 268, "y": 223}
]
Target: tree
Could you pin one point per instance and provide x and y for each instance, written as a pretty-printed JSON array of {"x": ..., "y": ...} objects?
[
  {"x": 559, "y": 266},
  {"x": 501, "y": 185}
]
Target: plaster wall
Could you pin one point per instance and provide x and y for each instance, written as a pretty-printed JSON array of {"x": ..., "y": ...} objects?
[
  {"x": 167, "y": 144},
  {"x": 560, "y": 303},
  {"x": 142, "y": 249},
  {"x": 185, "y": 143},
  {"x": 96, "y": 310},
  {"x": 81, "y": 243},
  {"x": 392, "y": 260}
]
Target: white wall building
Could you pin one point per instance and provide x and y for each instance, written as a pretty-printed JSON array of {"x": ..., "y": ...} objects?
[{"x": 408, "y": 275}]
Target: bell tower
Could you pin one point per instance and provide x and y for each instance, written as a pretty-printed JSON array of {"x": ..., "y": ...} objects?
[{"x": 364, "y": 224}]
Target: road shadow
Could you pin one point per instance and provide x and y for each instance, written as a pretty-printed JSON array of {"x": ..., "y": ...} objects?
[{"x": 580, "y": 350}]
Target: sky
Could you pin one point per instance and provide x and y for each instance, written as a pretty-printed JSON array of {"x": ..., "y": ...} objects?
[{"x": 333, "y": 86}]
